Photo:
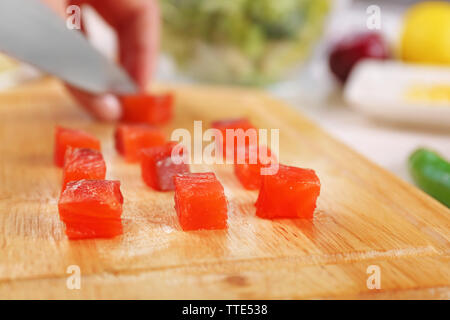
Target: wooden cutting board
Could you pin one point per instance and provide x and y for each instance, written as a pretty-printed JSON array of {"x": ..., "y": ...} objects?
[{"x": 365, "y": 216}]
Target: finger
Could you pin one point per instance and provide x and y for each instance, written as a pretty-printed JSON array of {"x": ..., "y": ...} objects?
[
  {"x": 104, "y": 107},
  {"x": 138, "y": 44},
  {"x": 137, "y": 25}
]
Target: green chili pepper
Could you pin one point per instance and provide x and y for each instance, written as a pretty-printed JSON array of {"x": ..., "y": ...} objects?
[{"x": 431, "y": 173}]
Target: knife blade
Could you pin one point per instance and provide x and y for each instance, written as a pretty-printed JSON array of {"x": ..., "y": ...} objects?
[{"x": 31, "y": 32}]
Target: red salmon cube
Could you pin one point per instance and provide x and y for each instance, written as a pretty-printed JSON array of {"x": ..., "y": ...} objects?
[
  {"x": 132, "y": 138},
  {"x": 147, "y": 108},
  {"x": 246, "y": 136},
  {"x": 290, "y": 193},
  {"x": 200, "y": 202},
  {"x": 83, "y": 163},
  {"x": 249, "y": 171},
  {"x": 72, "y": 138},
  {"x": 94, "y": 229},
  {"x": 159, "y": 165},
  {"x": 91, "y": 209}
]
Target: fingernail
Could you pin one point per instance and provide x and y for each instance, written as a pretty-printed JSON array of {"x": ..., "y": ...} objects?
[{"x": 108, "y": 108}]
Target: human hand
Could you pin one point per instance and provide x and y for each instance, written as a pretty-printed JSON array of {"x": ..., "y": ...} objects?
[{"x": 136, "y": 23}]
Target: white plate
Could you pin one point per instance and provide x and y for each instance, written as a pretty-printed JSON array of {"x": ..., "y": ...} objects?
[{"x": 383, "y": 89}]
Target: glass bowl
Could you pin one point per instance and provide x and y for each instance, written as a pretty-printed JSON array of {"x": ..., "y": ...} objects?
[{"x": 250, "y": 42}]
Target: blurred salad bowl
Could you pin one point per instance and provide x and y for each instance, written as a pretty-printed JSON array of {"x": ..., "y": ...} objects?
[{"x": 252, "y": 42}]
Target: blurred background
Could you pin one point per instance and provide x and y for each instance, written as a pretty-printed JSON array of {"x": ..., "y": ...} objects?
[{"x": 375, "y": 74}]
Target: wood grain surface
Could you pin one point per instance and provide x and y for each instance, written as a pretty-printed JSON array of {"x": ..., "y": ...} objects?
[{"x": 365, "y": 216}]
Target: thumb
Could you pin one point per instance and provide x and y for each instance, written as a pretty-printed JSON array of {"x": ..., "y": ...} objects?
[{"x": 104, "y": 107}]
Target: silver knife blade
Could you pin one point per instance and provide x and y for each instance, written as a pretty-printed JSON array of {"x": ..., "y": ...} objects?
[{"x": 30, "y": 31}]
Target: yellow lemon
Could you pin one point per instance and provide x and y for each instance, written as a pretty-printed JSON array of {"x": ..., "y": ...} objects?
[{"x": 426, "y": 33}]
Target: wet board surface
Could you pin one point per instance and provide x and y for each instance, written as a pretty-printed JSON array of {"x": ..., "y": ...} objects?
[{"x": 365, "y": 216}]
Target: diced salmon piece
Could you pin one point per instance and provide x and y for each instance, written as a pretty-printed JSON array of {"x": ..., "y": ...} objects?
[
  {"x": 249, "y": 171},
  {"x": 159, "y": 165},
  {"x": 241, "y": 133},
  {"x": 132, "y": 138},
  {"x": 147, "y": 108},
  {"x": 200, "y": 202},
  {"x": 83, "y": 163},
  {"x": 65, "y": 137},
  {"x": 91, "y": 209},
  {"x": 290, "y": 193}
]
